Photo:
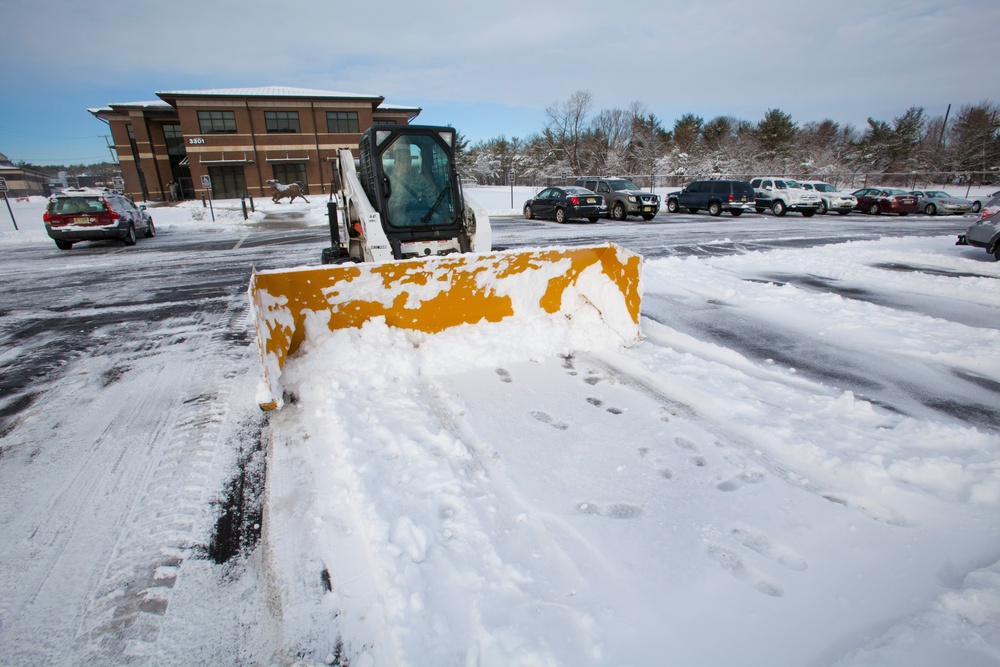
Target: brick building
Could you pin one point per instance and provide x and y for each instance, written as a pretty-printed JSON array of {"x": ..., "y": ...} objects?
[
  {"x": 240, "y": 138},
  {"x": 21, "y": 181}
]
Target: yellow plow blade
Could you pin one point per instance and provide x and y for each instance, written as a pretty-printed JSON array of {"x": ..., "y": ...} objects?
[{"x": 431, "y": 295}]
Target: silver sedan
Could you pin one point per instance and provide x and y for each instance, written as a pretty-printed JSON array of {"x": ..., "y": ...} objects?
[{"x": 939, "y": 202}]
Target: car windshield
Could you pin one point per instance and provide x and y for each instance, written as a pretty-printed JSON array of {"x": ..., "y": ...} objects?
[
  {"x": 894, "y": 191},
  {"x": 825, "y": 187},
  {"x": 623, "y": 185},
  {"x": 937, "y": 194},
  {"x": 794, "y": 184},
  {"x": 577, "y": 191}
]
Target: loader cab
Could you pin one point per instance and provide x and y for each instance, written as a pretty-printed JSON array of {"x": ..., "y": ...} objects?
[{"x": 408, "y": 172}]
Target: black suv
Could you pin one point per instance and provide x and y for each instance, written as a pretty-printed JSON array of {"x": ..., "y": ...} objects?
[
  {"x": 624, "y": 198},
  {"x": 716, "y": 196}
]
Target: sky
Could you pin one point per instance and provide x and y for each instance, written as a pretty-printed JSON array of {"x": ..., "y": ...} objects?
[{"x": 493, "y": 69}]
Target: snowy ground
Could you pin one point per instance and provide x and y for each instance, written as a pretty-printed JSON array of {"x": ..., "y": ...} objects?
[{"x": 798, "y": 465}]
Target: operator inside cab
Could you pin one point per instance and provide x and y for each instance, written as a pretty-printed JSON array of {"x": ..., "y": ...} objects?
[{"x": 416, "y": 198}]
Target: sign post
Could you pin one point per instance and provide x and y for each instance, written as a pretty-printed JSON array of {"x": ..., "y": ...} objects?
[
  {"x": 119, "y": 183},
  {"x": 3, "y": 189},
  {"x": 510, "y": 179},
  {"x": 206, "y": 182}
]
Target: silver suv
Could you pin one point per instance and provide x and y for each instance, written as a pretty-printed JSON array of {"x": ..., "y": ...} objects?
[
  {"x": 985, "y": 233},
  {"x": 782, "y": 195},
  {"x": 93, "y": 214},
  {"x": 624, "y": 197}
]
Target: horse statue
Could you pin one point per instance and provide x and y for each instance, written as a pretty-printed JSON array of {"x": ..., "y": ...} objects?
[{"x": 292, "y": 190}]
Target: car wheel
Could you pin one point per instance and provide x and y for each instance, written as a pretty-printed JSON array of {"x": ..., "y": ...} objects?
[
  {"x": 930, "y": 209},
  {"x": 759, "y": 209},
  {"x": 976, "y": 206},
  {"x": 560, "y": 216},
  {"x": 673, "y": 206},
  {"x": 873, "y": 209},
  {"x": 648, "y": 216},
  {"x": 692, "y": 210},
  {"x": 843, "y": 212},
  {"x": 808, "y": 214},
  {"x": 528, "y": 213},
  {"x": 63, "y": 245},
  {"x": 130, "y": 235},
  {"x": 779, "y": 208},
  {"x": 996, "y": 252},
  {"x": 903, "y": 215},
  {"x": 736, "y": 212},
  {"x": 715, "y": 209},
  {"x": 822, "y": 208},
  {"x": 593, "y": 218},
  {"x": 618, "y": 211},
  {"x": 150, "y": 230}
]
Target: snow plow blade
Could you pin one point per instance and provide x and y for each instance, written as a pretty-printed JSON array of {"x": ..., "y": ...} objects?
[{"x": 431, "y": 295}]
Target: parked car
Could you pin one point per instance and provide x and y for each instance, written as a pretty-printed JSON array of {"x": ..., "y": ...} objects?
[
  {"x": 978, "y": 201},
  {"x": 714, "y": 196},
  {"x": 885, "y": 200},
  {"x": 565, "y": 203},
  {"x": 985, "y": 233},
  {"x": 939, "y": 202},
  {"x": 830, "y": 198},
  {"x": 624, "y": 197},
  {"x": 782, "y": 195},
  {"x": 93, "y": 214}
]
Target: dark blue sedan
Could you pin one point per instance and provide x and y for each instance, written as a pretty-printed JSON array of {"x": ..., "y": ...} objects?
[{"x": 565, "y": 203}]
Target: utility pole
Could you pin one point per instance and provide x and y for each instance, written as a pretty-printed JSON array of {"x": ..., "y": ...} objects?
[
  {"x": 944, "y": 125},
  {"x": 111, "y": 149}
]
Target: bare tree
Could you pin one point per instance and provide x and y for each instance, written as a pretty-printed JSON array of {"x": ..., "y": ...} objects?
[{"x": 567, "y": 125}]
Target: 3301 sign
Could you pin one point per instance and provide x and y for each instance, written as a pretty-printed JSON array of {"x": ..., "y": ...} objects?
[{"x": 196, "y": 140}]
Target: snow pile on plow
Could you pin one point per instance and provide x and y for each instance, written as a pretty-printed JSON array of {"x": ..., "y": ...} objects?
[{"x": 432, "y": 295}]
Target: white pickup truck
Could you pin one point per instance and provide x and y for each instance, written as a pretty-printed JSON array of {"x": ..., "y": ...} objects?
[{"x": 782, "y": 195}]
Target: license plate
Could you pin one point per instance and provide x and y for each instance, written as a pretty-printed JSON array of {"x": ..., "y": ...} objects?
[
  {"x": 591, "y": 200},
  {"x": 81, "y": 221},
  {"x": 647, "y": 209}
]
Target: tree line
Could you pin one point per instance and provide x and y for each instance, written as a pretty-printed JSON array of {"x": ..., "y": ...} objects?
[{"x": 962, "y": 146}]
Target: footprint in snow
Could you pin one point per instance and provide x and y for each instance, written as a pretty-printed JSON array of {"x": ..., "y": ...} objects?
[
  {"x": 613, "y": 511},
  {"x": 732, "y": 563},
  {"x": 547, "y": 419},
  {"x": 741, "y": 480},
  {"x": 504, "y": 375},
  {"x": 758, "y": 541}
]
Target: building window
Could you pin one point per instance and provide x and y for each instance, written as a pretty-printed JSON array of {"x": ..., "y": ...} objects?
[
  {"x": 228, "y": 182},
  {"x": 379, "y": 121},
  {"x": 174, "y": 139},
  {"x": 282, "y": 121},
  {"x": 291, "y": 172},
  {"x": 217, "y": 122},
  {"x": 342, "y": 121},
  {"x": 138, "y": 163}
]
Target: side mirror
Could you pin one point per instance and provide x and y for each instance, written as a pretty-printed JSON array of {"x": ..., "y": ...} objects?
[{"x": 142, "y": 207}]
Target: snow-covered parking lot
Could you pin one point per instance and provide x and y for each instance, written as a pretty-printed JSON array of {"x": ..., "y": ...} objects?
[{"x": 798, "y": 465}]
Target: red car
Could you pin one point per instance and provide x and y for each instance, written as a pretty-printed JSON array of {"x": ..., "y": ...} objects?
[{"x": 885, "y": 200}]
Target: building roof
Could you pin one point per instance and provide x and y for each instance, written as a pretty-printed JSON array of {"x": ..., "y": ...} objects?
[{"x": 265, "y": 91}]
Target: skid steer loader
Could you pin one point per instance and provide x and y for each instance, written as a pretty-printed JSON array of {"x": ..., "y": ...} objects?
[{"x": 409, "y": 247}]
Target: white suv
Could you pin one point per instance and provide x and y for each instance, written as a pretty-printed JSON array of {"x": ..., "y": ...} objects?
[
  {"x": 831, "y": 199},
  {"x": 782, "y": 195}
]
